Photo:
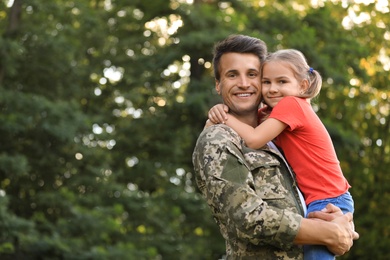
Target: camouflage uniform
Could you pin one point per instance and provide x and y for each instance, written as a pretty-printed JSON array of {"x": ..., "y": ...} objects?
[{"x": 251, "y": 194}]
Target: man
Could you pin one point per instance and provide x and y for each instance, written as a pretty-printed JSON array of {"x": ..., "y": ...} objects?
[{"x": 251, "y": 193}]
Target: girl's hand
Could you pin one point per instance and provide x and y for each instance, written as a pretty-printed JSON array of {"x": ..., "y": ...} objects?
[
  {"x": 218, "y": 114},
  {"x": 208, "y": 124}
]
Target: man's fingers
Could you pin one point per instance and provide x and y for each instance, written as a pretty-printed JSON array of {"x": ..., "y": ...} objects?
[
  {"x": 355, "y": 235},
  {"x": 349, "y": 216},
  {"x": 321, "y": 215},
  {"x": 330, "y": 208}
]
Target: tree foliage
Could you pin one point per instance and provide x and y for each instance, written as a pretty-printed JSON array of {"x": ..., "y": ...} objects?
[{"x": 102, "y": 101}]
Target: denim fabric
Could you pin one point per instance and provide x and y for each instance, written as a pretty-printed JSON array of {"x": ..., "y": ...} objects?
[{"x": 345, "y": 203}]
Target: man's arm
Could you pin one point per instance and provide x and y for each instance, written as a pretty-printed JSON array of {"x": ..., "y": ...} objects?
[
  {"x": 337, "y": 232},
  {"x": 224, "y": 181}
]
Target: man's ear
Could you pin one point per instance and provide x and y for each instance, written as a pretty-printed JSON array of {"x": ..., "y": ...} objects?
[{"x": 217, "y": 87}]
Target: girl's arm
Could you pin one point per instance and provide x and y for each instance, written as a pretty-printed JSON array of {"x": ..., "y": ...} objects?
[
  {"x": 256, "y": 138},
  {"x": 218, "y": 114}
]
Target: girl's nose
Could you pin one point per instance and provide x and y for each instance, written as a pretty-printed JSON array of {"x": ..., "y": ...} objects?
[{"x": 272, "y": 88}]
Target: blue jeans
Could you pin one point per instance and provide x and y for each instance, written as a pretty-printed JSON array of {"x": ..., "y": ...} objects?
[{"x": 345, "y": 203}]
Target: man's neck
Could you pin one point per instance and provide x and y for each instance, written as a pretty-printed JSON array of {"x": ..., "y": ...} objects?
[{"x": 249, "y": 119}]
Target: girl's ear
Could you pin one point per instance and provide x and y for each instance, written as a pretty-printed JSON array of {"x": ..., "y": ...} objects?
[{"x": 304, "y": 86}]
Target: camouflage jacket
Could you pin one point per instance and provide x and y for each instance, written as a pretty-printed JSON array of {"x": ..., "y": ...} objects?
[{"x": 251, "y": 194}]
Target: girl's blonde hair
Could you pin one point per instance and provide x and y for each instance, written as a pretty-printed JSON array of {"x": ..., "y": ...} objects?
[{"x": 300, "y": 68}]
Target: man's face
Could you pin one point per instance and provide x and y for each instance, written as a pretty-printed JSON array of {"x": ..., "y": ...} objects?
[{"x": 239, "y": 85}]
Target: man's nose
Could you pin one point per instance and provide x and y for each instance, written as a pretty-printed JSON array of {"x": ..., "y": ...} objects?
[{"x": 243, "y": 82}]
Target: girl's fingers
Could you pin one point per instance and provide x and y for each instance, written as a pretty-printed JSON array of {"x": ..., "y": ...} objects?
[
  {"x": 215, "y": 116},
  {"x": 218, "y": 114}
]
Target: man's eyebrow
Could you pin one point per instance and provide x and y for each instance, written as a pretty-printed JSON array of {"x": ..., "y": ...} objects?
[{"x": 232, "y": 70}]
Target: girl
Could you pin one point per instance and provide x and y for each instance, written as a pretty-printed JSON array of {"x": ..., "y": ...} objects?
[{"x": 288, "y": 85}]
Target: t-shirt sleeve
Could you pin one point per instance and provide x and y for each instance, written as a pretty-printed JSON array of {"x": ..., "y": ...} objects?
[{"x": 288, "y": 111}]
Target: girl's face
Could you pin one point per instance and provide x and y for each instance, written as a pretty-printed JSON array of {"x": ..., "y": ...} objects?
[{"x": 278, "y": 81}]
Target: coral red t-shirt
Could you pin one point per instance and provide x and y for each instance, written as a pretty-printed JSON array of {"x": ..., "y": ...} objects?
[{"x": 309, "y": 150}]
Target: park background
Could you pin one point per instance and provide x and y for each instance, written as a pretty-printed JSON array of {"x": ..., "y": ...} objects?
[{"x": 102, "y": 102}]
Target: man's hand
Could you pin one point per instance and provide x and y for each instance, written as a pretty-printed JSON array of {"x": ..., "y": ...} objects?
[
  {"x": 329, "y": 213},
  {"x": 345, "y": 234},
  {"x": 344, "y": 229}
]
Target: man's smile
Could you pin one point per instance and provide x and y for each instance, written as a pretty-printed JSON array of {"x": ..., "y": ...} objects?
[{"x": 244, "y": 94}]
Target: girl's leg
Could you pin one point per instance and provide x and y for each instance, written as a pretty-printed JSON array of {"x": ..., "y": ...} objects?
[{"x": 345, "y": 203}]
